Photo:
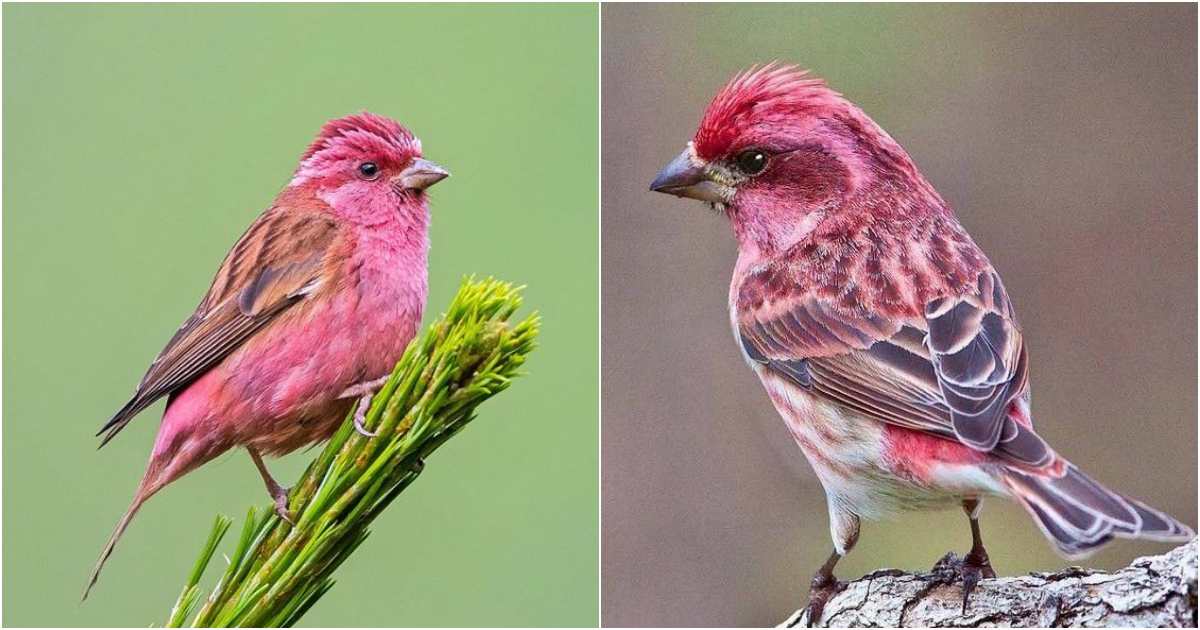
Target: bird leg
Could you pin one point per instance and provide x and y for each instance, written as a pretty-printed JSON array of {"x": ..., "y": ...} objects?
[
  {"x": 360, "y": 416},
  {"x": 823, "y": 586},
  {"x": 364, "y": 392},
  {"x": 843, "y": 528},
  {"x": 976, "y": 562},
  {"x": 277, "y": 492},
  {"x": 972, "y": 567}
]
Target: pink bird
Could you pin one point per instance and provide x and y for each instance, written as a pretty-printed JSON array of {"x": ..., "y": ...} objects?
[
  {"x": 309, "y": 312},
  {"x": 879, "y": 329}
]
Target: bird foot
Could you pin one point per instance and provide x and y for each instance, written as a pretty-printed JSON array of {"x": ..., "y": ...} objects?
[
  {"x": 819, "y": 594},
  {"x": 280, "y": 494},
  {"x": 360, "y": 416},
  {"x": 968, "y": 569}
]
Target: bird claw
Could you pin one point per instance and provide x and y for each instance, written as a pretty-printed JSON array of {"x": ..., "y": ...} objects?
[
  {"x": 969, "y": 569},
  {"x": 360, "y": 416},
  {"x": 362, "y": 430},
  {"x": 281, "y": 506},
  {"x": 819, "y": 594}
]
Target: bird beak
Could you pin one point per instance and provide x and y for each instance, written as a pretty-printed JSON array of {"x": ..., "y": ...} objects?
[
  {"x": 687, "y": 176},
  {"x": 420, "y": 174}
]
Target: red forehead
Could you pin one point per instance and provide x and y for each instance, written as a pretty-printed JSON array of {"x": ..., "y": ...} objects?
[
  {"x": 364, "y": 132},
  {"x": 757, "y": 100}
]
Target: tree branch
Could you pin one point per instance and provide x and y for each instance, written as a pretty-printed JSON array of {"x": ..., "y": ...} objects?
[{"x": 1152, "y": 592}]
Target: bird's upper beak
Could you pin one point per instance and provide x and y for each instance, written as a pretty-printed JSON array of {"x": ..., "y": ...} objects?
[
  {"x": 688, "y": 176},
  {"x": 420, "y": 174}
]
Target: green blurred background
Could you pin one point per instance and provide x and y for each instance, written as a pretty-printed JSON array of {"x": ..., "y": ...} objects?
[
  {"x": 139, "y": 143},
  {"x": 1065, "y": 138}
]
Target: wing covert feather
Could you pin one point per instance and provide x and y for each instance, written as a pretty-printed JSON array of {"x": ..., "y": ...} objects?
[
  {"x": 274, "y": 265},
  {"x": 952, "y": 370}
]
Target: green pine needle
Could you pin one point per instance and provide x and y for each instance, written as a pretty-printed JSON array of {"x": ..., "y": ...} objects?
[{"x": 277, "y": 572}]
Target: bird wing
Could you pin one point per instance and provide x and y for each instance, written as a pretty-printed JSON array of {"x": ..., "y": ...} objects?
[
  {"x": 273, "y": 266},
  {"x": 950, "y": 371}
]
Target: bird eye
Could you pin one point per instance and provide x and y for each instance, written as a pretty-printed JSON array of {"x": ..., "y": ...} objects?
[
  {"x": 752, "y": 162},
  {"x": 368, "y": 170}
]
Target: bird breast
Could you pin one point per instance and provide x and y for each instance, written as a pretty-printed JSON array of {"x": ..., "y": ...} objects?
[{"x": 354, "y": 330}]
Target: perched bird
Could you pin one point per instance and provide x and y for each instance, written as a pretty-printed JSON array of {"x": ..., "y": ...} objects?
[
  {"x": 308, "y": 313},
  {"x": 880, "y": 331}
]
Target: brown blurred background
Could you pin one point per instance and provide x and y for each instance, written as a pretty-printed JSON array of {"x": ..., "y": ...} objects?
[{"x": 1065, "y": 138}]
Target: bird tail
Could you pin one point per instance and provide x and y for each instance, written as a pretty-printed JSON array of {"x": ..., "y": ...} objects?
[
  {"x": 126, "y": 413},
  {"x": 1079, "y": 515},
  {"x": 138, "y": 500}
]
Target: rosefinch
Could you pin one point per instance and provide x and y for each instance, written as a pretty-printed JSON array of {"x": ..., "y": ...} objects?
[
  {"x": 309, "y": 312},
  {"x": 879, "y": 329}
]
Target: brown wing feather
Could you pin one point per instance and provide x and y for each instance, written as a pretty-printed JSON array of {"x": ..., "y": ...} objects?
[
  {"x": 952, "y": 372},
  {"x": 274, "y": 265}
]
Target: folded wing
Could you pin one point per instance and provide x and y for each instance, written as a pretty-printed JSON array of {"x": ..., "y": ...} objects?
[
  {"x": 952, "y": 370},
  {"x": 274, "y": 266}
]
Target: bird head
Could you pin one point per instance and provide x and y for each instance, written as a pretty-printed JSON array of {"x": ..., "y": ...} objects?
[
  {"x": 367, "y": 158},
  {"x": 779, "y": 151}
]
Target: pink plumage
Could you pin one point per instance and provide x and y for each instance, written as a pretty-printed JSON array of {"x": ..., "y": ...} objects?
[
  {"x": 880, "y": 330},
  {"x": 312, "y": 307}
]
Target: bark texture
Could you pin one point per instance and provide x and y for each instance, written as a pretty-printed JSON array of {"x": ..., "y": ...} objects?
[{"x": 1152, "y": 592}]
